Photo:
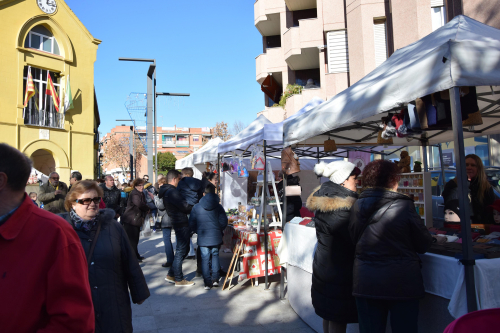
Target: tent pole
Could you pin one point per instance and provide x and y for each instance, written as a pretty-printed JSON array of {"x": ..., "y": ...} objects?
[
  {"x": 264, "y": 216},
  {"x": 283, "y": 224},
  {"x": 463, "y": 200},
  {"x": 426, "y": 161},
  {"x": 441, "y": 163},
  {"x": 218, "y": 173}
]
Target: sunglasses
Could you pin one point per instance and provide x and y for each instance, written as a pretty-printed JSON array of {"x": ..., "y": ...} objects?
[{"x": 87, "y": 201}]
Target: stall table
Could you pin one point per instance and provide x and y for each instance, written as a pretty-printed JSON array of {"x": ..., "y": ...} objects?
[{"x": 444, "y": 284}]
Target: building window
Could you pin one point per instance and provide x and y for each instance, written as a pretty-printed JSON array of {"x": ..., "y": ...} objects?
[
  {"x": 40, "y": 110},
  {"x": 182, "y": 141},
  {"x": 40, "y": 38},
  {"x": 438, "y": 14},
  {"x": 168, "y": 138},
  {"x": 196, "y": 138},
  {"x": 337, "y": 51},
  {"x": 380, "y": 35},
  {"x": 308, "y": 78},
  {"x": 272, "y": 41}
]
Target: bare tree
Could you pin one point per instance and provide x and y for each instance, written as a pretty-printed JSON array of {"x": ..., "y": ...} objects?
[
  {"x": 221, "y": 131},
  {"x": 116, "y": 152},
  {"x": 238, "y": 126}
]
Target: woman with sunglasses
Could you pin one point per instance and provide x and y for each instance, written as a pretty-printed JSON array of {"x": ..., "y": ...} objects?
[
  {"x": 133, "y": 218},
  {"x": 113, "y": 266}
]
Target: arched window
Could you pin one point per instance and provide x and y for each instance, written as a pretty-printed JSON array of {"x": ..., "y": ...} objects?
[{"x": 40, "y": 38}]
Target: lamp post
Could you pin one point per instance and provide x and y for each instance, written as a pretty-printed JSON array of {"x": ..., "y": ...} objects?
[
  {"x": 151, "y": 79},
  {"x": 156, "y": 95}
]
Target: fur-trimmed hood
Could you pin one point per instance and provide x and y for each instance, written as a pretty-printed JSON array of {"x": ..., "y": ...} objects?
[{"x": 331, "y": 197}]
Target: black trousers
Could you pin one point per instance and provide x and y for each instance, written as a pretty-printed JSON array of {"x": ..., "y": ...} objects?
[
  {"x": 133, "y": 234},
  {"x": 372, "y": 315}
]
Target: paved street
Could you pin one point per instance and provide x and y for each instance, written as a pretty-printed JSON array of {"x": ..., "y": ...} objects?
[{"x": 192, "y": 309}]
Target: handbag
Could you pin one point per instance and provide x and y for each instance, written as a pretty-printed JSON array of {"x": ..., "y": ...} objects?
[
  {"x": 289, "y": 161},
  {"x": 293, "y": 190}
]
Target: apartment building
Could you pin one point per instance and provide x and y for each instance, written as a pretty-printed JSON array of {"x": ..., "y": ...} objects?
[
  {"x": 325, "y": 46},
  {"x": 180, "y": 141}
]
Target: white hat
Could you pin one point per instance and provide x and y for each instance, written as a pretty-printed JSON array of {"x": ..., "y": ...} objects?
[{"x": 337, "y": 171}]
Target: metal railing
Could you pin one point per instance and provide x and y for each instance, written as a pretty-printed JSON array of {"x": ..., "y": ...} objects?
[{"x": 43, "y": 118}]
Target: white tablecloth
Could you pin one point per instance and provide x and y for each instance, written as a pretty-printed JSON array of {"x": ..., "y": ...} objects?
[{"x": 443, "y": 276}]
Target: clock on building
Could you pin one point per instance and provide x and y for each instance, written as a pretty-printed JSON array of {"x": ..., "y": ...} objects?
[{"x": 47, "y": 6}]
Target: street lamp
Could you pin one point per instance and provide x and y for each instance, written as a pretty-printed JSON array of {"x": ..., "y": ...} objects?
[
  {"x": 149, "y": 113},
  {"x": 156, "y": 146}
]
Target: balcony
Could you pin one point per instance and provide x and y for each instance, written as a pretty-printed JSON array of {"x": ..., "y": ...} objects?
[
  {"x": 271, "y": 62},
  {"x": 296, "y": 102},
  {"x": 267, "y": 16},
  {"x": 294, "y": 5},
  {"x": 181, "y": 144},
  {"x": 274, "y": 114},
  {"x": 168, "y": 144},
  {"x": 300, "y": 44},
  {"x": 44, "y": 119}
]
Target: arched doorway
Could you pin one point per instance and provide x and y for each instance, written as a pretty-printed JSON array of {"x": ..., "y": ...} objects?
[{"x": 43, "y": 161}]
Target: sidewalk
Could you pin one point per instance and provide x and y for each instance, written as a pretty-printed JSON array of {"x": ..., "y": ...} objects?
[{"x": 192, "y": 309}]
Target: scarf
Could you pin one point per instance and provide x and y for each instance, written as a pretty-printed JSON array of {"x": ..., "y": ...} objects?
[{"x": 81, "y": 224}]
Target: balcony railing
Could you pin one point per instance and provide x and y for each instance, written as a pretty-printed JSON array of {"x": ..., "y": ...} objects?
[{"x": 44, "y": 118}]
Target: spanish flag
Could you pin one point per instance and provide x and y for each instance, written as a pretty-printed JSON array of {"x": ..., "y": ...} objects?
[
  {"x": 51, "y": 91},
  {"x": 30, "y": 88}
]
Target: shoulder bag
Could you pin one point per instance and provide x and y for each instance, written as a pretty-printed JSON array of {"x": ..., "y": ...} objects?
[{"x": 94, "y": 242}]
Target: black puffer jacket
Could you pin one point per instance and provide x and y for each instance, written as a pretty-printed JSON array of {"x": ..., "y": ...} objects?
[
  {"x": 111, "y": 198},
  {"x": 137, "y": 209},
  {"x": 176, "y": 207},
  {"x": 387, "y": 265},
  {"x": 114, "y": 270},
  {"x": 479, "y": 210},
  {"x": 333, "y": 260}
]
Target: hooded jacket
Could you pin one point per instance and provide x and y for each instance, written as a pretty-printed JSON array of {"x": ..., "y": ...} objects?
[
  {"x": 111, "y": 197},
  {"x": 176, "y": 207},
  {"x": 208, "y": 219},
  {"x": 52, "y": 202},
  {"x": 191, "y": 189},
  {"x": 114, "y": 270},
  {"x": 334, "y": 256},
  {"x": 387, "y": 265}
]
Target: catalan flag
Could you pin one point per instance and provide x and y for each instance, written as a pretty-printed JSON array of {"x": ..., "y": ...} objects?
[
  {"x": 51, "y": 91},
  {"x": 30, "y": 88}
]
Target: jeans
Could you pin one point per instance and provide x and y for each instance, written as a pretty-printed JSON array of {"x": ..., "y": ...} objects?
[
  {"x": 181, "y": 251},
  {"x": 372, "y": 315},
  {"x": 167, "y": 240},
  {"x": 206, "y": 253}
]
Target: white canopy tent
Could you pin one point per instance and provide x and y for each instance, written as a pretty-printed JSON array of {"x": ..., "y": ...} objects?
[
  {"x": 207, "y": 153},
  {"x": 464, "y": 52}
]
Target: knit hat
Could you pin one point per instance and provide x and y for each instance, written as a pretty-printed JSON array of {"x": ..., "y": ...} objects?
[
  {"x": 337, "y": 171},
  {"x": 496, "y": 205}
]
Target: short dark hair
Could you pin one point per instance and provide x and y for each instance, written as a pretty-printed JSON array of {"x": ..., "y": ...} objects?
[
  {"x": 211, "y": 175},
  {"x": 16, "y": 166},
  {"x": 31, "y": 193},
  {"x": 145, "y": 176},
  {"x": 172, "y": 174},
  {"x": 381, "y": 173},
  {"x": 210, "y": 189},
  {"x": 138, "y": 182},
  {"x": 188, "y": 172},
  {"x": 77, "y": 175}
]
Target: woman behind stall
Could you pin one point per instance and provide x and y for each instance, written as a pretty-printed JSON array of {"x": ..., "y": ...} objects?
[
  {"x": 113, "y": 266},
  {"x": 388, "y": 233},
  {"x": 134, "y": 215},
  {"x": 331, "y": 290},
  {"x": 481, "y": 192}
]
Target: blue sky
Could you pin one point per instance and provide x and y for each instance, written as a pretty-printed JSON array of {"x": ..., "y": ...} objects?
[{"x": 206, "y": 48}]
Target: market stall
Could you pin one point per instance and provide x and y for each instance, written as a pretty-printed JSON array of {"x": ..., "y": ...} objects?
[
  {"x": 463, "y": 53},
  {"x": 197, "y": 160}
]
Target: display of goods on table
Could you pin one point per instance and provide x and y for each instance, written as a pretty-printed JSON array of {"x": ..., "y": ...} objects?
[
  {"x": 448, "y": 242},
  {"x": 253, "y": 253}
]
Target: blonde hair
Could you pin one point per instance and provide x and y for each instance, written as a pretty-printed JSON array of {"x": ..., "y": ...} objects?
[
  {"x": 162, "y": 181},
  {"x": 78, "y": 189},
  {"x": 484, "y": 185}
]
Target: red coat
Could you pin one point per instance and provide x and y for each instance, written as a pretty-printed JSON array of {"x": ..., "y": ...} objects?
[{"x": 44, "y": 284}]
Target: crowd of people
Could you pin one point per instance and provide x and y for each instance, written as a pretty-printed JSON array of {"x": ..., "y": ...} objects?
[{"x": 82, "y": 246}]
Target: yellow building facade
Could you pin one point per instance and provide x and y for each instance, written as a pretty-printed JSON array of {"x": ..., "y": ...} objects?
[{"x": 45, "y": 37}]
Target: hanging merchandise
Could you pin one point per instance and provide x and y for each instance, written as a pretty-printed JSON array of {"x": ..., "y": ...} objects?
[
  {"x": 398, "y": 120},
  {"x": 414, "y": 121},
  {"x": 242, "y": 170},
  {"x": 258, "y": 159},
  {"x": 382, "y": 139},
  {"x": 289, "y": 161},
  {"x": 225, "y": 167},
  {"x": 469, "y": 106}
]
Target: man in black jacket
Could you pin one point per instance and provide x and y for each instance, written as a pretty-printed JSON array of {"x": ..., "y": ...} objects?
[
  {"x": 177, "y": 209},
  {"x": 112, "y": 195}
]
